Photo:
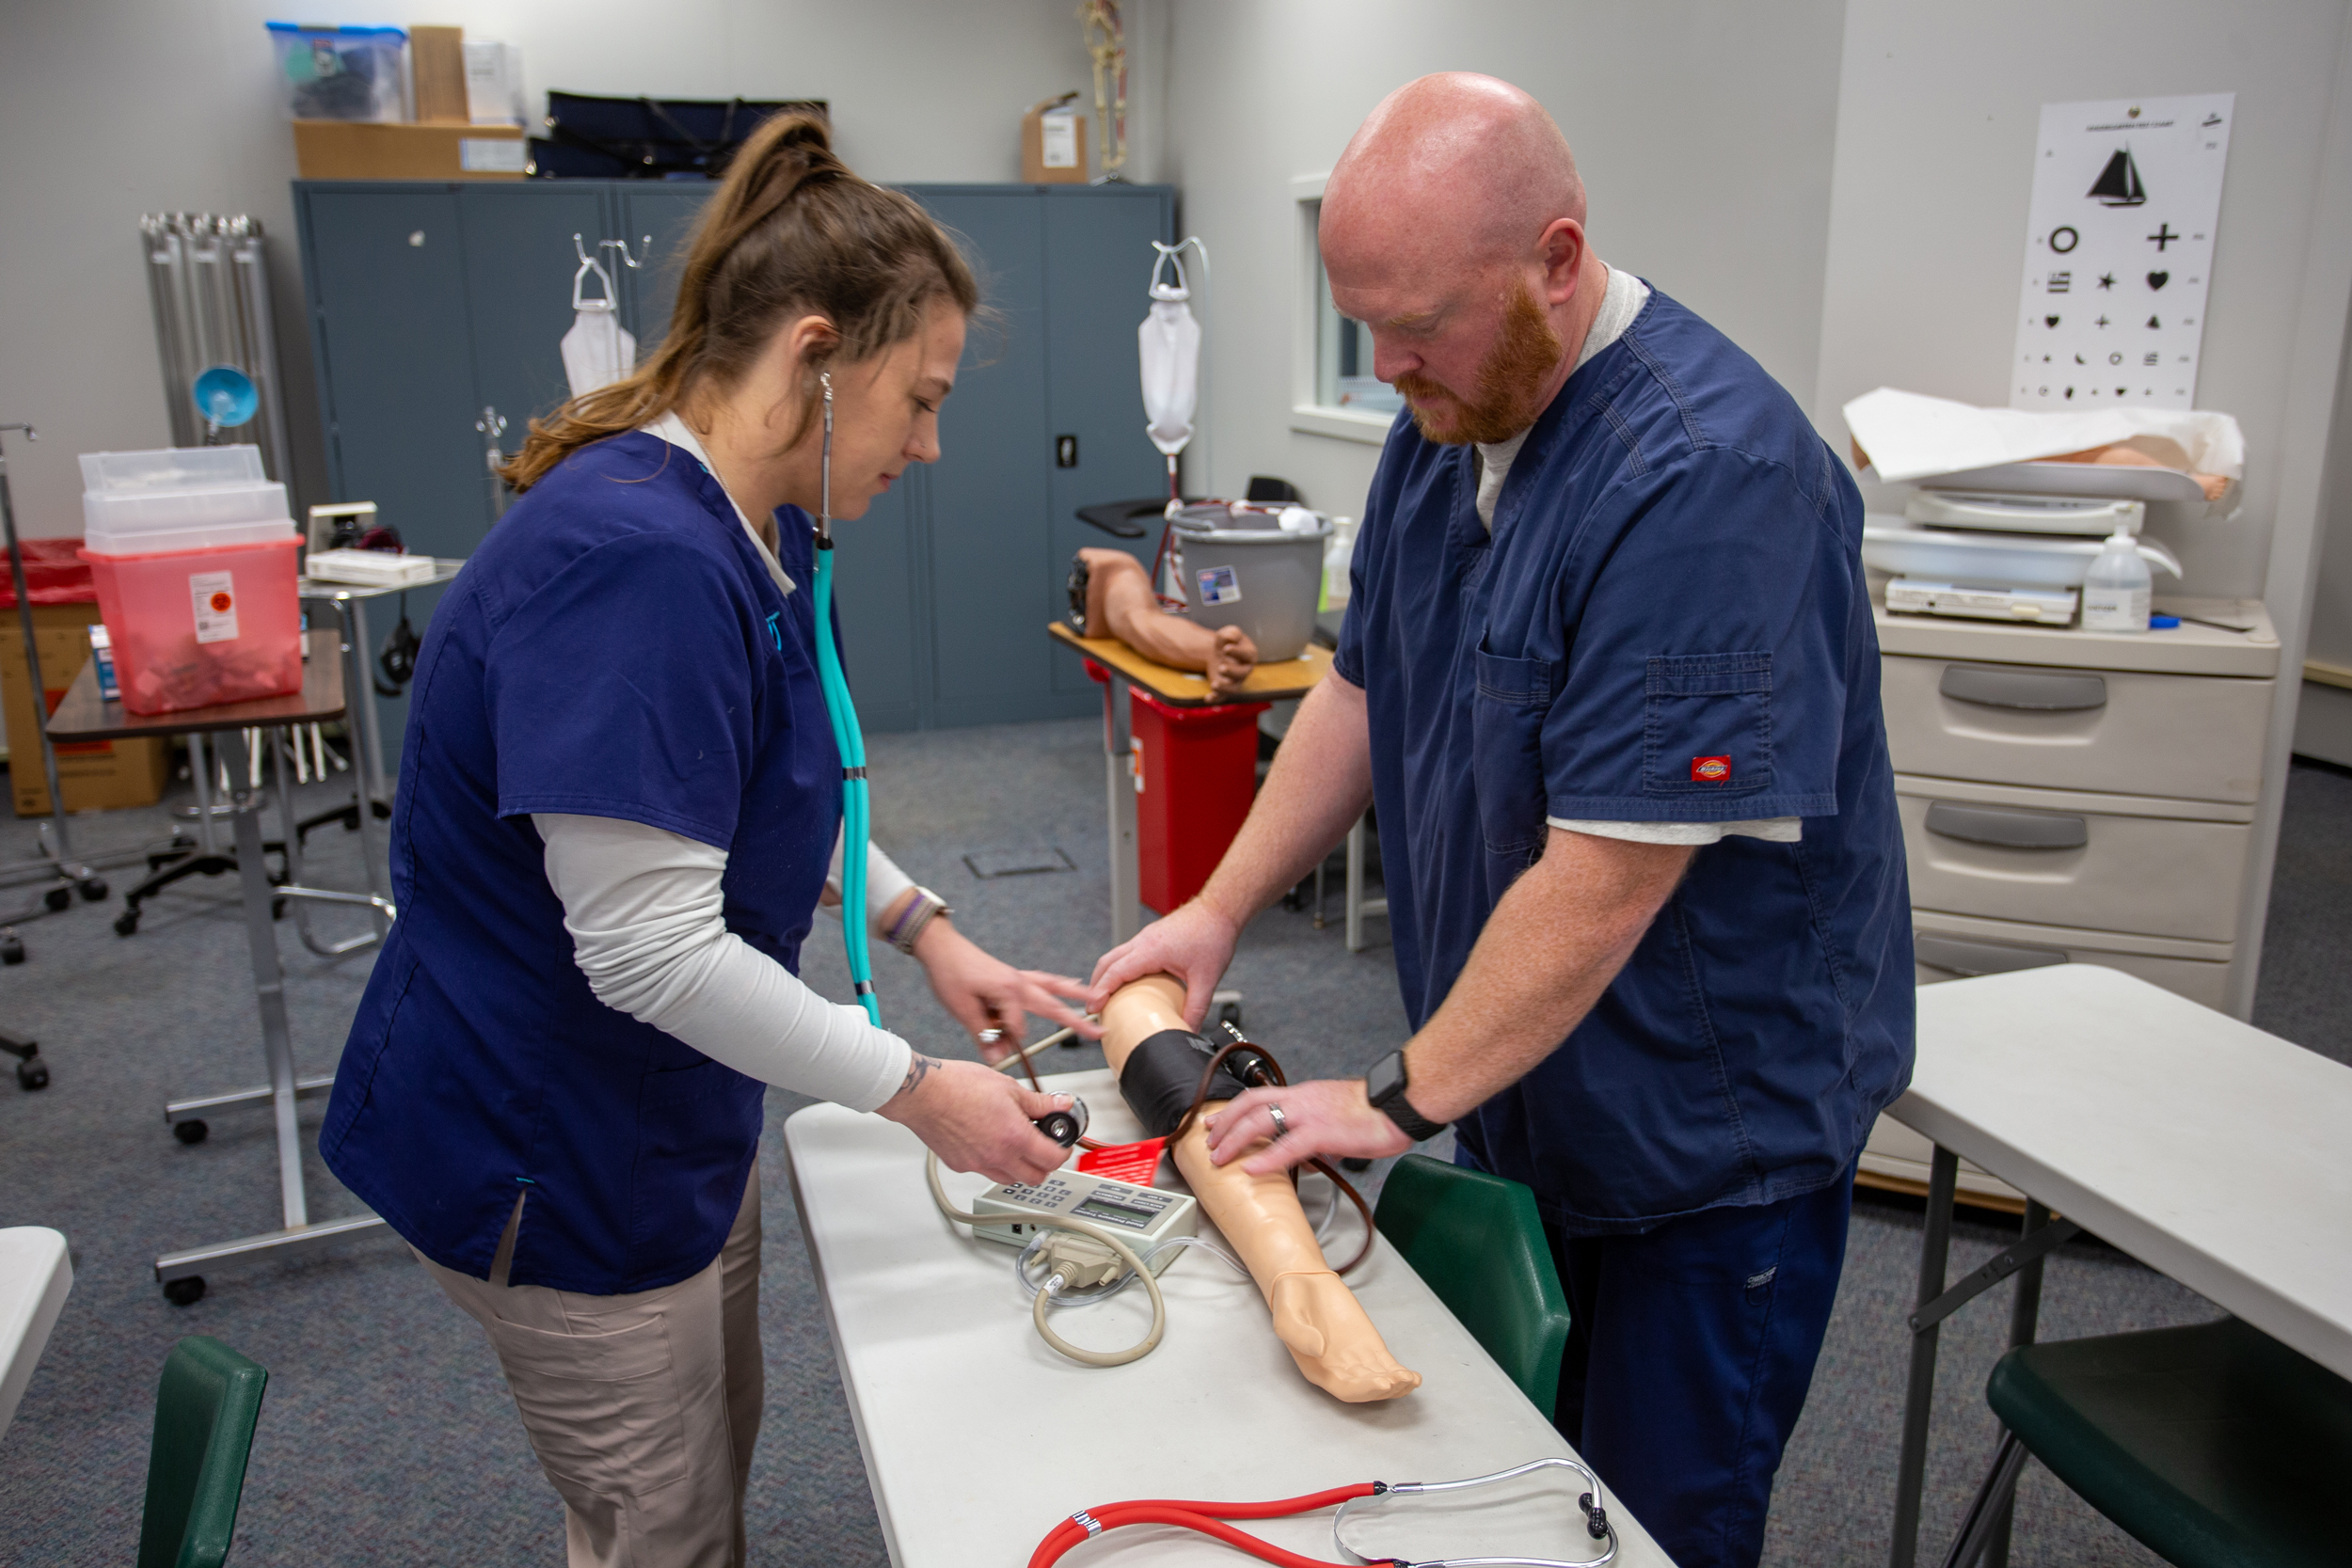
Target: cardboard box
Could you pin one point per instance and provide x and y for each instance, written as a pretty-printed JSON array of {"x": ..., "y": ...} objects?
[
  {"x": 95, "y": 775},
  {"x": 437, "y": 59},
  {"x": 354, "y": 149},
  {"x": 1054, "y": 144}
]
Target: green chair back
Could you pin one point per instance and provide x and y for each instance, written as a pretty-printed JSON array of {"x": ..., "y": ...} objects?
[
  {"x": 1477, "y": 1241},
  {"x": 205, "y": 1411},
  {"x": 2212, "y": 1445}
]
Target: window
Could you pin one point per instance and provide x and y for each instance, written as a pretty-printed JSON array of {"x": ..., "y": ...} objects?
[{"x": 1333, "y": 389}]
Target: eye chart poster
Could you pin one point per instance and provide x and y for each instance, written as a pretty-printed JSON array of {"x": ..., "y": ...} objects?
[{"x": 2125, "y": 194}]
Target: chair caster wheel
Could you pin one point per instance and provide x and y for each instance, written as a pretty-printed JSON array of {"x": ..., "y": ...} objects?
[
  {"x": 191, "y": 1132},
  {"x": 126, "y": 923},
  {"x": 1356, "y": 1163},
  {"x": 58, "y": 899},
  {"x": 184, "y": 1292},
  {"x": 32, "y": 1075},
  {"x": 11, "y": 949},
  {"x": 92, "y": 889}
]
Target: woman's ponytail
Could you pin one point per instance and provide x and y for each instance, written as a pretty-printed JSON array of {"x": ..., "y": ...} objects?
[{"x": 790, "y": 231}]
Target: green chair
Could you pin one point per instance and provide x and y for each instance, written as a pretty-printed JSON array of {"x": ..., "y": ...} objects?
[
  {"x": 1475, "y": 1239},
  {"x": 205, "y": 1413},
  {"x": 2214, "y": 1445}
]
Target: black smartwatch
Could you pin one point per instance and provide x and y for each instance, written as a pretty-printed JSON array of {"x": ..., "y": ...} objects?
[{"x": 1384, "y": 1086}]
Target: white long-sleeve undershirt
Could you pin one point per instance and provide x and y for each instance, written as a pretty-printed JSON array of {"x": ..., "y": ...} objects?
[{"x": 646, "y": 914}]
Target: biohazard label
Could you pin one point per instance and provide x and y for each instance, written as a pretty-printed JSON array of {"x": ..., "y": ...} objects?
[
  {"x": 1218, "y": 587},
  {"x": 216, "y": 598},
  {"x": 1711, "y": 770}
]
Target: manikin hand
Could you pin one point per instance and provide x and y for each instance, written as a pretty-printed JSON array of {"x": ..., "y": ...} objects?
[
  {"x": 1195, "y": 945},
  {"x": 985, "y": 994},
  {"x": 975, "y": 1119}
]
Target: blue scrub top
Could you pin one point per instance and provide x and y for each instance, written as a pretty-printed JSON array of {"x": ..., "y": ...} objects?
[
  {"x": 1669, "y": 623},
  {"x": 617, "y": 648}
]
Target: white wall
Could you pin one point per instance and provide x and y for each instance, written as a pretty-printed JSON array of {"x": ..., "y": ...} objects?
[
  {"x": 112, "y": 108},
  {"x": 2323, "y": 724},
  {"x": 1704, "y": 129},
  {"x": 1937, "y": 111}
]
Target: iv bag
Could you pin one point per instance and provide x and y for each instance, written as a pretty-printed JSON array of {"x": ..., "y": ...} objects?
[
  {"x": 1169, "y": 338},
  {"x": 597, "y": 351}
]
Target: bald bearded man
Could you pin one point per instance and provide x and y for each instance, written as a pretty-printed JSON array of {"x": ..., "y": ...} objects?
[{"x": 1610, "y": 673}]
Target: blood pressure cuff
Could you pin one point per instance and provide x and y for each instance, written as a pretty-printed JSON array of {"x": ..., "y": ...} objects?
[{"x": 1163, "y": 1076}]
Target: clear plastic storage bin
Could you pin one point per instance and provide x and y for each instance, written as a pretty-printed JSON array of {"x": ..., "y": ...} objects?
[
  {"x": 195, "y": 628},
  {"x": 341, "y": 72},
  {"x": 172, "y": 468}
]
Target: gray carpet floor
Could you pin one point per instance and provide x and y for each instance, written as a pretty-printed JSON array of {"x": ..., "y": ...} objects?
[{"x": 387, "y": 1435}]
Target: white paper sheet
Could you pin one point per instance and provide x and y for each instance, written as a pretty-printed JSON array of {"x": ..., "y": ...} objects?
[
  {"x": 1911, "y": 436},
  {"x": 2119, "y": 249}
]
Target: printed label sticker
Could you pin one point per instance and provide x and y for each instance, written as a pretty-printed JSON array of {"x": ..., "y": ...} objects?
[
  {"x": 1711, "y": 770},
  {"x": 215, "y": 595},
  {"x": 1217, "y": 586}
]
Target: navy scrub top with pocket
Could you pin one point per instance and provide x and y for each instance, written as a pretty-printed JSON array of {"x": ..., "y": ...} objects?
[
  {"x": 617, "y": 648},
  {"x": 1669, "y": 623}
]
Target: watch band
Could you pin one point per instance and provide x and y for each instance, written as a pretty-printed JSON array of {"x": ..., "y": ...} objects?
[
  {"x": 1385, "y": 1086},
  {"x": 918, "y": 914}
]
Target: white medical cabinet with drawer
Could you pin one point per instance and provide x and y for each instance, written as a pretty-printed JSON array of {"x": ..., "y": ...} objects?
[{"x": 2074, "y": 796}]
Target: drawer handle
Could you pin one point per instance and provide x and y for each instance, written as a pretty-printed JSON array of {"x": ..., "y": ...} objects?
[
  {"x": 2044, "y": 690},
  {"x": 1966, "y": 959},
  {"x": 2008, "y": 830}
]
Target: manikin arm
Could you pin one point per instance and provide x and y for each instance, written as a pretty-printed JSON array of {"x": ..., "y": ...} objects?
[
  {"x": 1314, "y": 1313},
  {"x": 1119, "y": 604}
]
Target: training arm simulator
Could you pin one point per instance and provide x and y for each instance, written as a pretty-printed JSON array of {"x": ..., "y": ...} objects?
[
  {"x": 1120, "y": 603},
  {"x": 1160, "y": 1063}
]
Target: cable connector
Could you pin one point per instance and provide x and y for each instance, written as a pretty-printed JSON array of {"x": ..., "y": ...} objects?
[{"x": 1082, "y": 1261}]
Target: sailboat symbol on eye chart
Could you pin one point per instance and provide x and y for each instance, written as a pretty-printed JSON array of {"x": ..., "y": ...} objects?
[
  {"x": 2125, "y": 194},
  {"x": 2119, "y": 182}
]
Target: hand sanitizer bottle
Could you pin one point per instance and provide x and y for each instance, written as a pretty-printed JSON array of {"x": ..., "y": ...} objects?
[{"x": 2115, "y": 595}]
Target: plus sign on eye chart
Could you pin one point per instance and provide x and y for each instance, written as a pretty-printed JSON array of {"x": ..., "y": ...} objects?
[{"x": 2119, "y": 252}]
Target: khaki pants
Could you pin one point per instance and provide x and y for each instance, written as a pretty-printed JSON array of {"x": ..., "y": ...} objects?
[{"x": 642, "y": 1408}]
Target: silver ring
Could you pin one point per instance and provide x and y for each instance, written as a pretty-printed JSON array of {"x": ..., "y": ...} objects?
[
  {"x": 1281, "y": 1122},
  {"x": 990, "y": 1037}
]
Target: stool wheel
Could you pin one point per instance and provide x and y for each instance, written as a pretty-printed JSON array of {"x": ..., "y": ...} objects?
[
  {"x": 278, "y": 908},
  {"x": 184, "y": 1292},
  {"x": 191, "y": 1132},
  {"x": 32, "y": 1075},
  {"x": 11, "y": 949},
  {"x": 58, "y": 899},
  {"x": 92, "y": 889},
  {"x": 126, "y": 923}
]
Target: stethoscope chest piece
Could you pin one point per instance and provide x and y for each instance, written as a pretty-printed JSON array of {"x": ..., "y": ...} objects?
[{"x": 1588, "y": 1503}]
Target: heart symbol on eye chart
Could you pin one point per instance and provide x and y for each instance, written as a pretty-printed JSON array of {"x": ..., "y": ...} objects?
[
  {"x": 2158, "y": 280},
  {"x": 2051, "y": 321}
]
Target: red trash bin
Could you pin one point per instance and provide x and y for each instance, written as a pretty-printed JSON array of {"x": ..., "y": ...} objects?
[{"x": 1196, "y": 773}]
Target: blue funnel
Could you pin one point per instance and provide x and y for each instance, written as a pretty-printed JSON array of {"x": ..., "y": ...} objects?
[{"x": 225, "y": 396}]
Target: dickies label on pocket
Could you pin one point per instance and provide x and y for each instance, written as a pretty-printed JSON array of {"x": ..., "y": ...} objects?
[{"x": 1707, "y": 724}]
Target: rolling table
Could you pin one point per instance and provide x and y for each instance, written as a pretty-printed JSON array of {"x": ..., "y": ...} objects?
[
  {"x": 978, "y": 1438},
  {"x": 35, "y": 1274},
  {"x": 82, "y": 716},
  {"x": 372, "y": 791},
  {"x": 2207, "y": 1150},
  {"x": 1276, "y": 682}
]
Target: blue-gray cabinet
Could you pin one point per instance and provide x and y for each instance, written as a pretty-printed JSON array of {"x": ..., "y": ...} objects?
[{"x": 430, "y": 301}]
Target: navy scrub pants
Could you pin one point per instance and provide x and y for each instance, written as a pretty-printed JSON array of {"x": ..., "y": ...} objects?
[{"x": 1690, "y": 1353}]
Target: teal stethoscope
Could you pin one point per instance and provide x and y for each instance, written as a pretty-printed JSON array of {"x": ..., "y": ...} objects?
[{"x": 856, "y": 823}]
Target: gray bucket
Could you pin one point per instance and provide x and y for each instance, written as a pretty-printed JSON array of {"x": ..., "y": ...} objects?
[{"x": 1241, "y": 568}]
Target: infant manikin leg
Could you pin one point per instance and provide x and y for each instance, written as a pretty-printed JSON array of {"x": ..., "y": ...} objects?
[{"x": 1315, "y": 1314}]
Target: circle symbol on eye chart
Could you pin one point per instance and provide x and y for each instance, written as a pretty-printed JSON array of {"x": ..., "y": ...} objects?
[{"x": 2073, "y": 238}]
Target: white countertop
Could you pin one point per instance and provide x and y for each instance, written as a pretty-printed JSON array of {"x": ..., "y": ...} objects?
[
  {"x": 35, "y": 1275},
  {"x": 2204, "y": 1148},
  {"x": 978, "y": 1438}
]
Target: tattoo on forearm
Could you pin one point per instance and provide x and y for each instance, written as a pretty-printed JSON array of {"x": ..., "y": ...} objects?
[{"x": 917, "y": 1069}]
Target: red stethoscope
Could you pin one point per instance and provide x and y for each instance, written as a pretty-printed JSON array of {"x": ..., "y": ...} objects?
[{"x": 1210, "y": 1519}]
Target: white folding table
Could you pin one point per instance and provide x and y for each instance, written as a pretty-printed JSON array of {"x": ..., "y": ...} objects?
[
  {"x": 2211, "y": 1152},
  {"x": 35, "y": 1274},
  {"x": 978, "y": 1438}
]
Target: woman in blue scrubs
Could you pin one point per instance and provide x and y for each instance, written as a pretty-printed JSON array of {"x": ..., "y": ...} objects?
[{"x": 619, "y": 800}]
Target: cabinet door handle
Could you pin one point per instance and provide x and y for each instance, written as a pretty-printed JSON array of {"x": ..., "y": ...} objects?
[
  {"x": 2044, "y": 690},
  {"x": 1964, "y": 958},
  {"x": 2005, "y": 829}
]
